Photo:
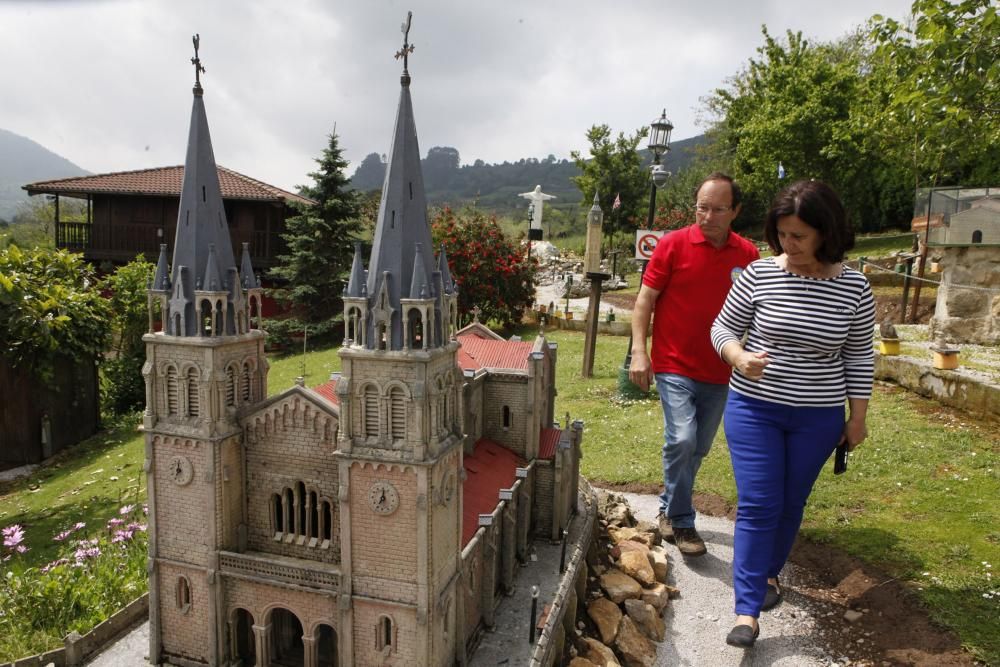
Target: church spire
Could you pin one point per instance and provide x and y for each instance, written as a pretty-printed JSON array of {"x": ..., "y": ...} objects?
[
  {"x": 203, "y": 258},
  {"x": 402, "y": 232}
]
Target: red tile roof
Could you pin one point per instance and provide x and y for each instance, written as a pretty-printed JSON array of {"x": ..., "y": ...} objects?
[
  {"x": 488, "y": 469},
  {"x": 163, "y": 181},
  {"x": 477, "y": 353},
  {"x": 328, "y": 391},
  {"x": 548, "y": 441}
]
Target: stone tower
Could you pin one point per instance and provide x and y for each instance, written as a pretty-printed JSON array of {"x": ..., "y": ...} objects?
[
  {"x": 399, "y": 445},
  {"x": 205, "y": 364}
]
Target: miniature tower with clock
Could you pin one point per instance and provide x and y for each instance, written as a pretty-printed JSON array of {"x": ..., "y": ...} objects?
[
  {"x": 399, "y": 446},
  {"x": 205, "y": 364}
]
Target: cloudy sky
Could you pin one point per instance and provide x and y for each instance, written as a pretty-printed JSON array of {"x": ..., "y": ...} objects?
[{"x": 107, "y": 83}]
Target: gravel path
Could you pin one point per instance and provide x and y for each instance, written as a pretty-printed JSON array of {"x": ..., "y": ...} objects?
[{"x": 698, "y": 621}]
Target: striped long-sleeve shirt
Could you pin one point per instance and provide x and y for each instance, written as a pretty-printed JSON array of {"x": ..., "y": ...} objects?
[{"x": 817, "y": 334}]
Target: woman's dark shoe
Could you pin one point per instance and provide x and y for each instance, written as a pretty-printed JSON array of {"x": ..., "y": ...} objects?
[
  {"x": 742, "y": 636},
  {"x": 772, "y": 598}
]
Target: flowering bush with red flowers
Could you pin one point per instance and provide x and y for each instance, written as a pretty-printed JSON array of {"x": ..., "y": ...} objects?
[
  {"x": 673, "y": 218},
  {"x": 491, "y": 269}
]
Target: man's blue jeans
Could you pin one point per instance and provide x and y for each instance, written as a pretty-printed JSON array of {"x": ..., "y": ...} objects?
[{"x": 692, "y": 411}]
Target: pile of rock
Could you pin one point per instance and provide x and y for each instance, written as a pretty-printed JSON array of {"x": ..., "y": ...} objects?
[{"x": 627, "y": 592}]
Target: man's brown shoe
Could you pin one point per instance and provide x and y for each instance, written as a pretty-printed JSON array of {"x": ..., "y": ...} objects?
[
  {"x": 663, "y": 523},
  {"x": 689, "y": 542}
]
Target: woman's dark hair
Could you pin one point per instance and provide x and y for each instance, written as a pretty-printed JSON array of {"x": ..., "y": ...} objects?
[
  {"x": 817, "y": 205},
  {"x": 725, "y": 178}
]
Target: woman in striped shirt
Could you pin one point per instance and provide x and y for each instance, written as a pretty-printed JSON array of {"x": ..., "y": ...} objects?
[{"x": 807, "y": 322}]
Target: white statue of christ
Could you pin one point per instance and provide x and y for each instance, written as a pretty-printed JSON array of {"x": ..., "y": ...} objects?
[{"x": 536, "y": 197}]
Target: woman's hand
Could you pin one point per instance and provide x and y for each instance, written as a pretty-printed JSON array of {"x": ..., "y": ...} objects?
[
  {"x": 751, "y": 364},
  {"x": 855, "y": 432}
]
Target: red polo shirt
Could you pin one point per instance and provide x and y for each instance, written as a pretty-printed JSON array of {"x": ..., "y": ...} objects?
[{"x": 693, "y": 279}]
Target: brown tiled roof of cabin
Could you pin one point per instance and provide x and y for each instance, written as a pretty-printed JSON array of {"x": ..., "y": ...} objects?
[{"x": 162, "y": 181}]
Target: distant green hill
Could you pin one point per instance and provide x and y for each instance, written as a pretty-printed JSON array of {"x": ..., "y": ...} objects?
[
  {"x": 496, "y": 186},
  {"x": 23, "y": 161}
]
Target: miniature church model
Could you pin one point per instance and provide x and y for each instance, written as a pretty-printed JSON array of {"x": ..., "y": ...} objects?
[{"x": 375, "y": 519}]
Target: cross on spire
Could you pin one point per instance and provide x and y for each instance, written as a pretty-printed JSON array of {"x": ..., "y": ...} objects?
[
  {"x": 407, "y": 47},
  {"x": 196, "y": 61},
  {"x": 476, "y": 312}
]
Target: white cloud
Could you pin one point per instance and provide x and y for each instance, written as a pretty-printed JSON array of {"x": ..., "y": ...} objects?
[{"x": 107, "y": 83}]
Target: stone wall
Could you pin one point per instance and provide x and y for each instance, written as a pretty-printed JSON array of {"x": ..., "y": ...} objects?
[{"x": 968, "y": 314}]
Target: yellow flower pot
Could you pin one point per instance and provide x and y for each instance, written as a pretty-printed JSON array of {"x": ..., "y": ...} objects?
[
  {"x": 946, "y": 360},
  {"x": 888, "y": 347}
]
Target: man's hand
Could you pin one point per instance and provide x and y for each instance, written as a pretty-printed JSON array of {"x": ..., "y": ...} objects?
[{"x": 640, "y": 373}]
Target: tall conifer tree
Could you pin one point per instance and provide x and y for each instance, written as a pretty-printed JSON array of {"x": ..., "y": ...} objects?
[{"x": 320, "y": 246}]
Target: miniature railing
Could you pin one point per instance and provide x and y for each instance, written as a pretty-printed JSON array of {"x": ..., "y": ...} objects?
[{"x": 261, "y": 565}]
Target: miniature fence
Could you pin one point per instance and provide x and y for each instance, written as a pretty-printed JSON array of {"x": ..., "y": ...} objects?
[
  {"x": 572, "y": 588},
  {"x": 78, "y": 648}
]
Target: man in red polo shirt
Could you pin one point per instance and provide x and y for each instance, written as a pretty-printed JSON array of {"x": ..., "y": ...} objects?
[{"x": 685, "y": 284}]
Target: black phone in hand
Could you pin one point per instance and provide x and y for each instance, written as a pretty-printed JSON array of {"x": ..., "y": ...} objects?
[{"x": 840, "y": 459}]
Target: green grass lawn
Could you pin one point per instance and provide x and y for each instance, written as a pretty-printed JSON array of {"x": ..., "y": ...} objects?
[
  {"x": 881, "y": 245},
  {"x": 919, "y": 499}
]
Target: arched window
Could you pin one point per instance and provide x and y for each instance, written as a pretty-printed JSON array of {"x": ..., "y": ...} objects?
[
  {"x": 289, "y": 508},
  {"x": 415, "y": 327},
  {"x": 977, "y": 236},
  {"x": 183, "y": 594},
  {"x": 206, "y": 318},
  {"x": 231, "y": 381},
  {"x": 506, "y": 417},
  {"x": 313, "y": 515},
  {"x": 300, "y": 499},
  {"x": 371, "y": 411},
  {"x": 383, "y": 635},
  {"x": 194, "y": 402},
  {"x": 327, "y": 514},
  {"x": 245, "y": 385},
  {"x": 397, "y": 414},
  {"x": 277, "y": 516},
  {"x": 173, "y": 393}
]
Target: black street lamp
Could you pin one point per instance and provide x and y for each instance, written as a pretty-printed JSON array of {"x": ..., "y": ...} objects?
[{"x": 659, "y": 144}]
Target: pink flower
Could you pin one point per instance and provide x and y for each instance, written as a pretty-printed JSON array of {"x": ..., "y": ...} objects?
[
  {"x": 126, "y": 509},
  {"x": 69, "y": 531},
  {"x": 12, "y": 536}
]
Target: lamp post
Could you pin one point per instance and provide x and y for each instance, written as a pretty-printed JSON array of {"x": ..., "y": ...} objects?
[{"x": 658, "y": 145}]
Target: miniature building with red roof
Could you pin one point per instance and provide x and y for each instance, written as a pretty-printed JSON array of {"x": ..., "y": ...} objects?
[{"x": 374, "y": 519}]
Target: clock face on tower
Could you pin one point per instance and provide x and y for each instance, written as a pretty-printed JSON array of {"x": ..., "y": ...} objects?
[
  {"x": 180, "y": 470},
  {"x": 383, "y": 498}
]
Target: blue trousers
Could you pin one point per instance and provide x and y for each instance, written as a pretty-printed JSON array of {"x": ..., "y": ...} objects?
[
  {"x": 777, "y": 452},
  {"x": 692, "y": 411}
]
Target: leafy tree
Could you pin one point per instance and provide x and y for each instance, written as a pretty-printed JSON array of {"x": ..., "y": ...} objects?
[
  {"x": 615, "y": 169},
  {"x": 48, "y": 307},
  {"x": 122, "y": 385},
  {"x": 491, "y": 270},
  {"x": 320, "y": 248},
  {"x": 370, "y": 173},
  {"x": 440, "y": 167},
  {"x": 941, "y": 110},
  {"x": 792, "y": 106}
]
